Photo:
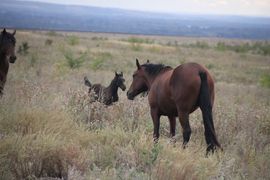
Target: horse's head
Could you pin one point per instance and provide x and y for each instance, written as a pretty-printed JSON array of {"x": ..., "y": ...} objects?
[
  {"x": 120, "y": 81},
  {"x": 7, "y": 45},
  {"x": 138, "y": 84}
]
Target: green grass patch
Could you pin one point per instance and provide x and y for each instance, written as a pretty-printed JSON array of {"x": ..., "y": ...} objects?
[
  {"x": 262, "y": 48},
  {"x": 265, "y": 80},
  {"x": 136, "y": 47},
  {"x": 99, "y": 59},
  {"x": 198, "y": 44},
  {"x": 139, "y": 40},
  {"x": 73, "y": 40}
]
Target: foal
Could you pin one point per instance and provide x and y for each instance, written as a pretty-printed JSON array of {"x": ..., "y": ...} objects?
[
  {"x": 7, "y": 55},
  {"x": 107, "y": 95},
  {"x": 177, "y": 93}
]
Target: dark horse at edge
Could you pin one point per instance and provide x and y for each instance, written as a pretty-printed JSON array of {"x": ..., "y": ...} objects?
[
  {"x": 177, "y": 92},
  {"x": 107, "y": 95},
  {"x": 7, "y": 55}
]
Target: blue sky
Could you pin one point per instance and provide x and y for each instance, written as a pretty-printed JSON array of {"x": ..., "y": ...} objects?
[{"x": 231, "y": 7}]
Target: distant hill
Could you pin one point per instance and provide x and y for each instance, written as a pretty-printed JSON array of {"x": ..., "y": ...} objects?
[{"x": 35, "y": 15}]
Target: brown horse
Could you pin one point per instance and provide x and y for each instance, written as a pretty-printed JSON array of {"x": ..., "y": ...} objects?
[
  {"x": 177, "y": 92},
  {"x": 107, "y": 95},
  {"x": 7, "y": 55}
]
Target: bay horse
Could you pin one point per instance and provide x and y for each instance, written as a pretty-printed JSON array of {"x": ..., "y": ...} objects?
[
  {"x": 107, "y": 95},
  {"x": 7, "y": 55},
  {"x": 177, "y": 92}
]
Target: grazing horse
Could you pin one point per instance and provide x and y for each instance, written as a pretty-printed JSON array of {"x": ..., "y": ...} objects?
[
  {"x": 177, "y": 92},
  {"x": 7, "y": 55},
  {"x": 107, "y": 95}
]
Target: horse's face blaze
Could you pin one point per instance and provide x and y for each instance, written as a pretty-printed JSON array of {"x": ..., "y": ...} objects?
[{"x": 137, "y": 86}]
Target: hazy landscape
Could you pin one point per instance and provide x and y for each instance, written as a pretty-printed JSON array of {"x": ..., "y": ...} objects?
[
  {"x": 36, "y": 15},
  {"x": 48, "y": 124}
]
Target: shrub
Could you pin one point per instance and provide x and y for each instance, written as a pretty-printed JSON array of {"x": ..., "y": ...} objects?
[
  {"x": 73, "y": 40},
  {"x": 48, "y": 42},
  {"x": 23, "y": 48},
  {"x": 210, "y": 66},
  {"x": 73, "y": 62}
]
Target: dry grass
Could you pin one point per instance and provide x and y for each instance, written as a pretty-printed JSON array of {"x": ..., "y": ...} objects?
[{"x": 48, "y": 125}]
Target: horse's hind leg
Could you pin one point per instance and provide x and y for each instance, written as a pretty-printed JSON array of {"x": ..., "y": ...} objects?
[
  {"x": 156, "y": 122},
  {"x": 184, "y": 121},
  {"x": 172, "y": 121}
]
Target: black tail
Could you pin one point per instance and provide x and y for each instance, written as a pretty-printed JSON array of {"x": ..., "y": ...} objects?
[
  {"x": 87, "y": 82},
  {"x": 206, "y": 108}
]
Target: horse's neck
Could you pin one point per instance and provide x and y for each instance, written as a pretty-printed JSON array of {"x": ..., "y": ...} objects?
[
  {"x": 150, "y": 79},
  {"x": 113, "y": 88},
  {"x": 4, "y": 64}
]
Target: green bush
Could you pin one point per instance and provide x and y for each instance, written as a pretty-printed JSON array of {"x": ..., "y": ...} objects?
[
  {"x": 48, "y": 42},
  {"x": 73, "y": 40},
  {"x": 23, "y": 48},
  {"x": 72, "y": 61}
]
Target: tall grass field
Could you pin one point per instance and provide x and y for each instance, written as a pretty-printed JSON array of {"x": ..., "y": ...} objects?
[{"x": 49, "y": 126}]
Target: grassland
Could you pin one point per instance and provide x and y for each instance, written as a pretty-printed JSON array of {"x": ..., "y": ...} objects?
[{"x": 47, "y": 124}]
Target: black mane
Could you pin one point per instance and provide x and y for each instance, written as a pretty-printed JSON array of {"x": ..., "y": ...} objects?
[{"x": 154, "y": 69}]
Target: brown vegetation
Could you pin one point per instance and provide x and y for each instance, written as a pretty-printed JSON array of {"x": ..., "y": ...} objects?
[{"x": 48, "y": 127}]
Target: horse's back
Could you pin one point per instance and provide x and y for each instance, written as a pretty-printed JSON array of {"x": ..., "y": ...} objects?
[{"x": 185, "y": 85}]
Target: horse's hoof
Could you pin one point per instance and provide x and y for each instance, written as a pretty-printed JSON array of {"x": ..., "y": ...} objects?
[{"x": 155, "y": 140}]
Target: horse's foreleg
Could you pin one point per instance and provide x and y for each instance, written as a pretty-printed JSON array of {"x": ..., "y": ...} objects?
[
  {"x": 184, "y": 121},
  {"x": 172, "y": 121},
  {"x": 156, "y": 122}
]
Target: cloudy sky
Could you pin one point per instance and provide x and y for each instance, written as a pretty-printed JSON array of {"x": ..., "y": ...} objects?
[{"x": 232, "y": 7}]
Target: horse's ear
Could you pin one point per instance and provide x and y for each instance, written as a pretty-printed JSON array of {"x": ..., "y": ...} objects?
[
  {"x": 4, "y": 31},
  {"x": 115, "y": 73},
  {"x": 121, "y": 73},
  {"x": 14, "y": 32},
  {"x": 138, "y": 64},
  {"x": 147, "y": 61}
]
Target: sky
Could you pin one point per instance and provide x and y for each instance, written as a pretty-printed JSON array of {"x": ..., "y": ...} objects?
[{"x": 228, "y": 7}]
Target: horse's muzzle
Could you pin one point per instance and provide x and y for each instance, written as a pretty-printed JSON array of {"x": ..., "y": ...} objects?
[
  {"x": 130, "y": 96},
  {"x": 12, "y": 59},
  {"x": 123, "y": 87}
]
